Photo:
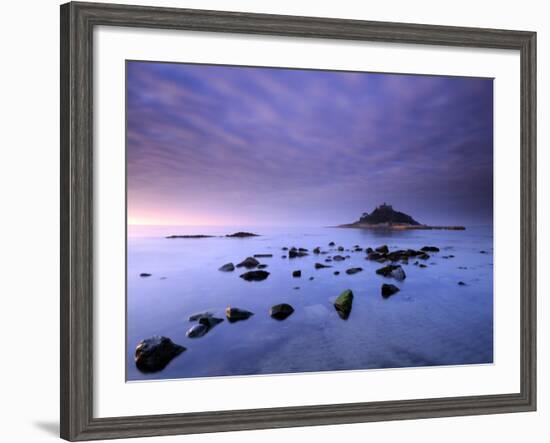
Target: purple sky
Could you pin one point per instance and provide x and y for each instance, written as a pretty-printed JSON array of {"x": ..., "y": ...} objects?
[{"x": 220, "y": 145}]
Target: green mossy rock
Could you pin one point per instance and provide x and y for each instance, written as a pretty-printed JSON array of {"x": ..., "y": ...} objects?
[{"x": 343, "y": 303}]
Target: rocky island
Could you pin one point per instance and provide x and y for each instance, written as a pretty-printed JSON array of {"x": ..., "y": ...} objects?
[{"x": 385, "y": 217}]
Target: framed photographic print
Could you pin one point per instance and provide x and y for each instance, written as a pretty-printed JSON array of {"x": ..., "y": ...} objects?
[{"x": 272, "y": 221}]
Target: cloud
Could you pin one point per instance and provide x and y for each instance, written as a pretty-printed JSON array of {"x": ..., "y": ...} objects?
[{"x": 254, "y": 144}]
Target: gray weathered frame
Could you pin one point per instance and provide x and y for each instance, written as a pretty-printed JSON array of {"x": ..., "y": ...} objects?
[{"x": 77, "y": 23}]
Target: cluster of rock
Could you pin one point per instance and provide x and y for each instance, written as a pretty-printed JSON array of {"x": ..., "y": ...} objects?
[{"x": 154, "y": 354}]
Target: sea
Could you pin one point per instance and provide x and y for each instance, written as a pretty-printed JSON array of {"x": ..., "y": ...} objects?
[{"x": 431, "y": 321}]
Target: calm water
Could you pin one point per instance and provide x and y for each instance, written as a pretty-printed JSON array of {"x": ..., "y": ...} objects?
[{"x": 431, "y": 321}]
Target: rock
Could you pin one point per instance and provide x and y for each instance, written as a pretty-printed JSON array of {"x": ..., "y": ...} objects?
[
  {"x": 210, "y": 322},
  {"x": 302, "y": 250},
  {"x": 328, "y": 260},
  {"x": 228, "y": 267},
  {"x": 451, "y": 256},
  {"x": 296, "y": 287},
  {"x": 262, "y": 266},
  {"x": 343, "y": 304},
  {"x": 311, "y": 278},
  {"x": 340, "y": 248},
  {"x": 332, "y": 243},
  {"x": 317, "y": 250},
  {"x": 254, "y": 275},
  {"x": 430, "y": 249},
  {"x": 236, "y": 314},
  {"x": 462, "y": 267},
  {"x": 281, "y": 311},
  {"x": 382, "y": 249},
  {"x": 358, "y": 249},
  {"x": 423, "y": 256},
  {"x": 242, "y": 235},
  {"x": 293, "y": 253},
  {"x": 338, "y": 258},
  {"x": 197, "y": 330},
  {"x": 377, "y": 256},
  {"x": 153, "y": 354},
  {"x": 352, "y": 271},
  {"x": 422, "y": 265},
  {"x": 284, "y": 248},
  {"x": 248, "y": 263},
  {"x": 369, "y": 250},
  {"x": 200, "y": 315},
  {"x": 388, "y": 290},
  {"x": 336, "y": 272},
  {"x": 483, "y": 252},
  {"x": 145, "y": 274},
  {"x": 297, "y": 273},
  {"x": 321, "y": 266},
  {"x": 461, "y": 283},
  {"x": 395, "y": 271},
  {"x": 283, "y": 256},
  {"x": 263, "y": 255}
]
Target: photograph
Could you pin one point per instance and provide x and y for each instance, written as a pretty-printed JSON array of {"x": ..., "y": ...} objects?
[{"x": 286, "y": 220}]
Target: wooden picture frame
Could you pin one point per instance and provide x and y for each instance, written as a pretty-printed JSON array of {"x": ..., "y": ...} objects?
[{"x": 77, "y": 23}]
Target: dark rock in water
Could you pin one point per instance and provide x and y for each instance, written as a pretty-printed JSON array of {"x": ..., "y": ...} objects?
[
  {"x": 317, "y": 250},
  {"x": 377, "y": 256},
  {"x": 200, "y": 315},
  {"x": 461, "y": 283},
  {"x": 388, "y": 290},
  {"x": 297, "y": 273},
  {"x": 383, "y": 249},
  {"x": 321, "y": 266},
  {"x": 422, "y": 265},
  {"x": 357, "y": 249},
  {"x": 190, "y": 236},
  {"x": 197, "y": 330},
  {"x": 311, "y": 278},
  {"x": 483, "y": 252},
  {"x": 328, "y": 260},
  {"x": 336, "y": 272},
  {"x": 462, "y": 267},
  {"x": 369, "y": 250},
  {"x": 332, "y": 243},
  {"x": 352, "y": 271},
  {"x": 294, "y": 253},
  {"x": 254, "y": 275},
  {"x": 228, "y": 267},
  {"x": 236, "y": 314},
  {"x": 302, "y": 250},
  {"x": 344, "y": 303},
  {"x": 395, "y": 271},
  {"x": 145, "y": 274},
  {"x": 423, "y": 256},
  {"x": 248, "y": 263},
  {"x": 338, "y": 258},
  {"x": 153, "y": 354},
  {"x": 340, "y": 248},
  {"x": 296, "y": 287},
  {"x": 283, "y": 256},
  {"x": 451, "y": 256},
  {"x": 262, "y": 266},
  {"x": 263, "y": 255},
  {"x": 210, "y": 322},
  {"x": 281, "y": 311},
  {"x": 242, "y": 235},
  {"x": 430, "y": 249},
  {"x": 284, "y": 248}
]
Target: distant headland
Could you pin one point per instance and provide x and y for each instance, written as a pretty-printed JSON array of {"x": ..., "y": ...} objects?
[{"x": 385, "y": 217}]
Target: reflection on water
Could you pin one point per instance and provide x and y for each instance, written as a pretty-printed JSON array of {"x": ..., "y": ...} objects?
[{"x": 431, "y": 321}]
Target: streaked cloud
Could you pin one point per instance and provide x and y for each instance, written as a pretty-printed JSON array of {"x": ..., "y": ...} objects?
[{"x": 283, "y": 146}]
